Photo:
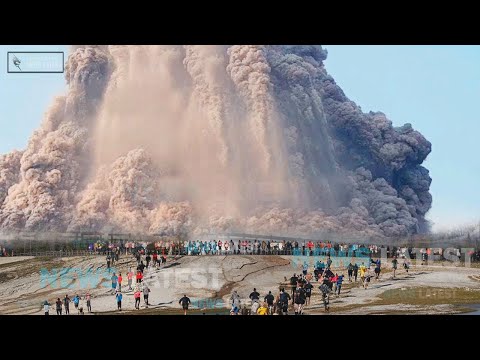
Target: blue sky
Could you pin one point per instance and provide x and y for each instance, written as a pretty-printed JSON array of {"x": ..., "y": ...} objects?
[{"x": 435, "y": 88}]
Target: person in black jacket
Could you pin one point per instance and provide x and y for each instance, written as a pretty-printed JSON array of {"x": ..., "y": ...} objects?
[
  {"x": 254, "y": 295},
  {"x": 269, "y": 299},
  {"x": 185, "y": 301},
  {"x": 308, "y": 292},
  {"x": 293, "y": 283},
  {"x": 283, "y": 301},
  {"x": 299, "y": 300}
]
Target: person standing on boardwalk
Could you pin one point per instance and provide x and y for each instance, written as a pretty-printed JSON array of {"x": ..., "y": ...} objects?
[{"x": 120, "y": 278}]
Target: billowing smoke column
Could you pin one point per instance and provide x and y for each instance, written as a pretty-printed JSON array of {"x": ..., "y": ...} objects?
[{"x": 201, "y": 139}]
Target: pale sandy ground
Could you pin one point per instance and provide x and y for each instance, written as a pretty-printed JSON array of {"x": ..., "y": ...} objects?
[{"x": 23, "y": 289}]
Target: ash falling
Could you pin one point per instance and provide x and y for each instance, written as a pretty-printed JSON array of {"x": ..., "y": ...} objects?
[{"x": 201, "y": 139}]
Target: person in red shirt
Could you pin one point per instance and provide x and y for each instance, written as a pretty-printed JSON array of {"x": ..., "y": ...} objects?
[
  {"x": 310, "y": 247},
  {"x": 334, "y": 279},
  {"x": 120, "y": 278},
  {"x": 154, "y": 258},
  {"x": 136, "y": 295},
  {"x": 139, "y": 277},
  {"x": 129, "y": 278}
]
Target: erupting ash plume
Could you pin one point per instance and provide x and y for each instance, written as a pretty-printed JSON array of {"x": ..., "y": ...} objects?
[{"x": 197, "y": 139}]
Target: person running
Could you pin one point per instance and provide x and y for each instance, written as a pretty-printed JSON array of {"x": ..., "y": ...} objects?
[
  {"x": 325, "y": 291},
  {"x": 141, "y": 267},
  {"x": 363, "y": 270},
  {"x": 88, "y": 297},
  {"x": 76, "y": 301},
  {"x": 114, "y": 279},
  {"x": 308, "y": 292},
  {"x": 148, "y": 259},
  {"x": 46, "y": 307},
  {"x": 367, "y": 281},
  {"x": 146, "y": 292},
  {"x": 154, "y": 259},
  {"x": 262, "y": 310},
  {"x": 305, "y": 268},
  {"x": 269, "y": 299},
  {"x": 119, "y": 297},
  {"x": 406, "y": 266},
  {"x": 355, "y": 271},
  {"x": 329, "y": 262},
  {"x": 299, "y": 301},
  {"x": 254, "y": 295},
  {"x": 136, "y": 295},
  {"x": 283, "y": 301},
  {"x": 120, "y": 278},
  {"x": 377, "y": 269},
  {"x": 293, "y": 283},
  {"x": 339, "y": 284},
  {"x": 66, "y": 304},
  {"x": 350, "y": 272},
  {"x": 394, "y": 265},
  {"x": 58, "y": 304},
  {"x": 235, "y": 298},
  {"x": 254, "y": 308},
  {"x": 108, "y": 262},
  {"x": 129, "y": 278},
  {"x": 333, "y": 280},
  {"x": 185, "y": 301}
]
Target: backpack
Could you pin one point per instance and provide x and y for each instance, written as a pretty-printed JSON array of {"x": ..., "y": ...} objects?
[{"x": 300, "y": 296}]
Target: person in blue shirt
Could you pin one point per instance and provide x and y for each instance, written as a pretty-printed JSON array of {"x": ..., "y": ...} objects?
[
  {"x": 339, "y": 283},
  {"x": 119, "y": 297},
  {"x": 76, "y": 301},
  {"x": 305, "y": 268},
  {"x": 114, "y": 279},
  {"x": 377, "y": 269}
]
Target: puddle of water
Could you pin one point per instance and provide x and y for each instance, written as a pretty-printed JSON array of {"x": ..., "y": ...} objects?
[{"x": 475, "y": 310}]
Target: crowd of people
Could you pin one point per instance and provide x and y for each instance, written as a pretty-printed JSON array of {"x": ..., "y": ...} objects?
[{"x": 301, "y": 286}]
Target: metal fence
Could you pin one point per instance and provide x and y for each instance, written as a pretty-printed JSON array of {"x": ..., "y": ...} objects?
[{"x": 60, "y": 253}]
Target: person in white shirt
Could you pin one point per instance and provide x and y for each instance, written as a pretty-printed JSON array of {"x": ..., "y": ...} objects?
[
  {"x": 46, "y": 307},
  {"x": 255, "y": 306}
]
